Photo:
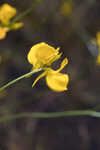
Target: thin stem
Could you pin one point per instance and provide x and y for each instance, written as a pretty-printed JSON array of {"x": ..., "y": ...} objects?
[
  {"x": 19, "y": 78},
  {"x": 74, "y": 113},
  {"x": 26, "y": 12}
]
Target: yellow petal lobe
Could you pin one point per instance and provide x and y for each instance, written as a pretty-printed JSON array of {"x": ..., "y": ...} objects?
[{"x": 57, "y": 81}]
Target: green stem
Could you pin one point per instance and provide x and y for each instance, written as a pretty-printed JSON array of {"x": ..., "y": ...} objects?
[
  {"x": 51, "y": 115},
  {"x": 19, "y": 78},
  {"x": 26, "y": 12}
]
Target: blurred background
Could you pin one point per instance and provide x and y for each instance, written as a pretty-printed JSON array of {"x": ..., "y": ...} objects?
[{"x": 70, "y": 25}]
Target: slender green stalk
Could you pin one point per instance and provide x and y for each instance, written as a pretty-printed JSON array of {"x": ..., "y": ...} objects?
[
  {"x": 74, "y": 113},
  {"x": 19, "y": 78},
  {"x": 26, "y": 12}
]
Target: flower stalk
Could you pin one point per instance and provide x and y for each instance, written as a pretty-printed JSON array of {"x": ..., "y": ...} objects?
[
  {"x": 73, "y": 113},
  {"x": 19, "y": 78}
]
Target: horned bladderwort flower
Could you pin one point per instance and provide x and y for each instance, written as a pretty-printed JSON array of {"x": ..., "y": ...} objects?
[
  {"x": 42, "y": 56},
  {"x": 7, "y": 12}
]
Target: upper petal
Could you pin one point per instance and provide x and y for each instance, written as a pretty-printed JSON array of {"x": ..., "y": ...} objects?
[{"x": 42, "y": 54}]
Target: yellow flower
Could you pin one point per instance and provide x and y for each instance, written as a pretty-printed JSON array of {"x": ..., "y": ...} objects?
[
  {"x": 7, "y": 12},
  {"x": 3, "y": 32},
  {"x": 42, "y": 55},
  {"x": 54, "y": 79}
]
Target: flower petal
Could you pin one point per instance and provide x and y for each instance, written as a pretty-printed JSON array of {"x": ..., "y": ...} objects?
[
  {"x": 39, "y": 77},
  {"x": 63, "y": 64},
  {"x": 6, "y": 13},
  {"x": 42, "y": 54},
  {"x": 57, "y": 81}
]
